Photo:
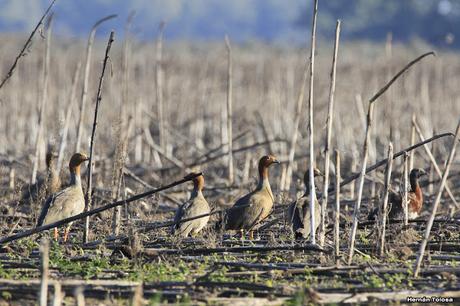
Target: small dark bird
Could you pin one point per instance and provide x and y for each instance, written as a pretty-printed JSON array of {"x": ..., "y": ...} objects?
[
  {"x": 196, "y": 206},
  {"x": 396, "y": 200},
  {"x": 67, "y": 202},
  {"x": 298, "y": 213},
  {"x": 254, "y": 207}
]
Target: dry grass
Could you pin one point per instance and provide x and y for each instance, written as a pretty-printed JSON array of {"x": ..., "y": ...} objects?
[{"x": 266, "y": 81}]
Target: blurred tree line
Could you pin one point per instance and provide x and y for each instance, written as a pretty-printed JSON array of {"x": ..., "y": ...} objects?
[{"x": 435, "y": 21}]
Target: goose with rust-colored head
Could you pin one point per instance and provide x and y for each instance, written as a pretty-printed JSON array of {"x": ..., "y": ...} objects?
[{"x": 255, "y": 206}]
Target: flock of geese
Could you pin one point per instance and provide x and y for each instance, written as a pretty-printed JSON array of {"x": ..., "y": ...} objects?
[{"x": 245, "y": 215}]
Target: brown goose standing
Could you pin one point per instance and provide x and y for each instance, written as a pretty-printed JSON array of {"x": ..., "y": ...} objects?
[
  {"x": 45, "y": 186},
  {"x": 299, "y": 211},
  {"x": 67, "y": 202},
  {"x": 196, "y": 206},
  {"x": 254, "y": 207}
]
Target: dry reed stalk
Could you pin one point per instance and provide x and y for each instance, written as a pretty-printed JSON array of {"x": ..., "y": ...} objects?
[
  {"x": 366, "y": 151},
  {"x": 310, "y": 127},
  {"x": 159, "y": 80},
  {"x": 434, "y": 208},
  {"x": 330, "y": 116},
  {"x": 229, "y": 110},
  {"x": 12, "y": 180},
  {"x": 124, "y": 131},
  {"x": 65, "y": 129},
  {"x": 57, "y": 296},
  {"x": 84, "y": 92},
  {"x": 85, "y": 214},
  {"x": 295, "y": 133},
  {"x": 384, "y": 206},
  {"x": 44, "y": 271},
  {"x": 26, "y": 46},
  {"x": 79, "y": 296},
  {"x": 433, "y": 160},
  {"x": 43, "y": 102},
  {"x": 93, "y": 134},
  {"x": 337, "y": 205},
  {"x": 405, "y": 187},
  {"x": 412, "y": 142}
]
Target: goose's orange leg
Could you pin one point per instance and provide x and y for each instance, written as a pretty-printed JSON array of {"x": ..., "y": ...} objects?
[
  {"x": 56, "y": 234},
  {"x": 66, "y": 233}
]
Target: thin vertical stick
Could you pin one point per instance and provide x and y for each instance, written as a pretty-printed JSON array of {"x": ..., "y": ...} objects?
[
  {"x": 57, "y": 300},
  {"x": 366, "y": 151},
  {"x": 433, "y": 160},
  {"x": 84, "y": 92},
  {"x": 429, "y": 224},
  {"x": 384, "y": 206},
  {"x": 65, "y": 130},
  {"x": 44, "y": 100},
  {"x": 79, "y": 296},
  {"x": 295, "y": 133},
  {"x": 310, "y": 127},
  {"x": 159, "y": 87},
  {"x": 229, "y": 110},
  {"x": 412, "y": 142},
  {"x": 405, "y": 179},
  {"x": 330, "y": 116},
  {"x": 93, "y": 133},
  {"x": 337, "y": 205},
  {"x": 124, "y": 130},
  {"x": 26, "y": 46},
  {"x": 44, "y": 254}
]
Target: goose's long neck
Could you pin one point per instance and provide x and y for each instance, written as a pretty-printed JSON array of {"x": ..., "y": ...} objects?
[
  {"x": 198, "y": 185},
  {"x": 75, "y": 179},
  {"x": 264, "y": 184}
]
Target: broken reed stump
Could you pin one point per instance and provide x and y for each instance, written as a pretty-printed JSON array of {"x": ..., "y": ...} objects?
[
  {"x": 311, "y": 157},
  {"x": 84, "y": 92},
  {"x": 366, "y": 149},
  {"x": 229, "y": 110},
  {"x": 384, "y": 207},
  {"x": 434, "y": 208},
  {"x": 93, "y": 134},
  {"x": 26, "y": 46},
  {"x": 44, "y": 271},
  {"x": 330, "y": 116}
]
